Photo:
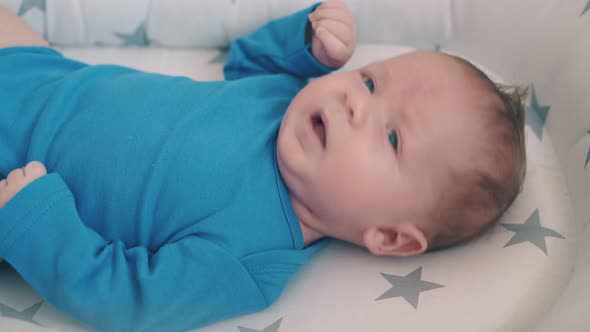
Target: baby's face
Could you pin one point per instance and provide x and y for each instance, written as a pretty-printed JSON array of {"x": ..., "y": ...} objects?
[{"x": 373, "y": 146}]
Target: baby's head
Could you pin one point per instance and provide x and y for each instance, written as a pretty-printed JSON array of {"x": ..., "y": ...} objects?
[{"x": 414, "y": 153}]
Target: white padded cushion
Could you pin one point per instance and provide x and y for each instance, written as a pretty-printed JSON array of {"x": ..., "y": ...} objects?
[{"x": 211, "y": 24}]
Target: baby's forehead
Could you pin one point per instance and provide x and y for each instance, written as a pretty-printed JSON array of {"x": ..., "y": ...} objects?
[
  {"x": 427, "y": 68},
  {"x": 424, "y": 76}
]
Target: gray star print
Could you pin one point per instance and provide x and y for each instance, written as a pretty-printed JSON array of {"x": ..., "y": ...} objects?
[
  {"x": 409, "y": 287},
  {"x": 137, "y": 37},
  {"x": 537, "y": 114},
  {"x": 274, "y": 327},
  {"x": 531, "y": 231},
  {"x": 28, "y": 4},
  {"x": 588, "y": 155},
  {"x": 26, "y": 314},
  {"x": 586, "y": 8}
]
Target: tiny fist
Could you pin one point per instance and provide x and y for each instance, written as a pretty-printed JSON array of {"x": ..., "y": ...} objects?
[
  {"x": 19, "y": 178},
  {"x": 334, "y": 38}
]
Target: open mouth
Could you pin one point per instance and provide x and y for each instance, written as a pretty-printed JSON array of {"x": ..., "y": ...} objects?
[{"x": 319, "y": 128}]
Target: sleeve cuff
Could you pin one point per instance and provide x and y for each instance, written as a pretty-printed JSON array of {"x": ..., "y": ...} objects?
[{"x": 21, "y": 212}]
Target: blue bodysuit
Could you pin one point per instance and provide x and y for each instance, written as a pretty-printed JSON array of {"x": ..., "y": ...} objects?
[{"x": 163, "y": 208}]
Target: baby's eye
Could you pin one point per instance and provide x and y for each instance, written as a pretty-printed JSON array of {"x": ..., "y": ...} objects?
[
  {"x": 393, "y": 138},
  {"x": 370, "y": 84}
]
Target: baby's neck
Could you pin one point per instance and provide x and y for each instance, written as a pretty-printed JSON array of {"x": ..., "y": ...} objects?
[
  {"x": 305, "y": 219},
  {"x": 310, "y": 235}
]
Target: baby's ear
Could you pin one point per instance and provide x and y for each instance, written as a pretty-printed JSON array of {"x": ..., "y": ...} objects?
[{"x": 403, "y": 239}]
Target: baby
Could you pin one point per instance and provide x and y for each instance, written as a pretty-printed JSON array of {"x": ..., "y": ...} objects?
[{"x": 149, "y": 202}]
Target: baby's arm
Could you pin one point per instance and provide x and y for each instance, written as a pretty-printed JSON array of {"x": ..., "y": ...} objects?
[
  {"x": 182, "y": 285},
  {"x": 295, "y": 44},
  {"x": 15, "y": 32}
]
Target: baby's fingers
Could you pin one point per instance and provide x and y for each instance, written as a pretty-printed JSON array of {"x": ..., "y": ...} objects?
[
  {"x": 340, "y": 30},
  {"x": 335, "y": 48},
  {"x": 334, "y": 38},
  {"x": 337, "y": 14}
]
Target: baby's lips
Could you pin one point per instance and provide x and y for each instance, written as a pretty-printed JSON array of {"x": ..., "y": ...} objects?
[{"x": 319, "y": 127}]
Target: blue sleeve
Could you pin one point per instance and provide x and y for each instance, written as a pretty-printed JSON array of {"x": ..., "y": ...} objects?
[
  {"x": 182, "y": 285},
  {"x": 280, "y": 46}
]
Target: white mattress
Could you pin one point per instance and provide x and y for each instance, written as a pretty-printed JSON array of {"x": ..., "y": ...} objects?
[{"x": 503, "y": 281}]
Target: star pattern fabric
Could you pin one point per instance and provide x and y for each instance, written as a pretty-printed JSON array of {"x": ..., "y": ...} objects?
[
  {"x": 537, "y": 114},
  {"x": 137, "y": 37},
  {"x": 26, "y": 5},
  {"x": 26, "y": 315},
  {"x": 586, "y": 8},
  {"x": 531, "y": 231},
  {"x": 274, "y": 327},
  {"x": 409, "y": 287},
  {"x": 588, "y": 155}
]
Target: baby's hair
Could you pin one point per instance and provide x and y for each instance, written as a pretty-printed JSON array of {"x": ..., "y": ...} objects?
[{"x": 481, "y": 195}]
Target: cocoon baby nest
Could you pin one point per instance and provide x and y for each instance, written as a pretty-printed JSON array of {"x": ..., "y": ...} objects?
[{"x": 527, "y": 273}]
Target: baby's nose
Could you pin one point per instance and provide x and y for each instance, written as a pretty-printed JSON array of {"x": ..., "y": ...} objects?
[{"x": 357, "y": 112}]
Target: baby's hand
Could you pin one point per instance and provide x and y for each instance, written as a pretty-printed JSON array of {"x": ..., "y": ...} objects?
[
  {"x": 19, "y": 178},
  {"x": 334, "y": 33}
]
